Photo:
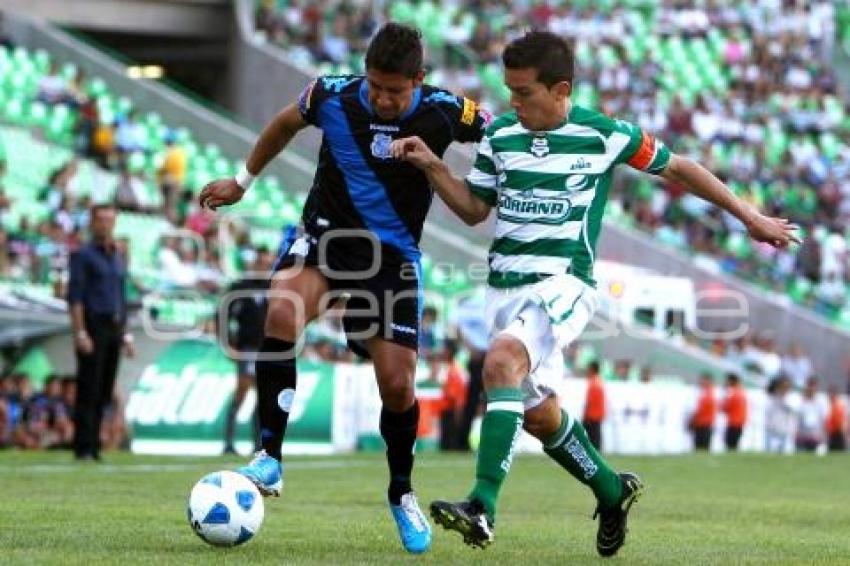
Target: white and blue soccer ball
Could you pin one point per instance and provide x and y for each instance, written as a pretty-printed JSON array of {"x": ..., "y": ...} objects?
[{"x": 225, "y": 509}]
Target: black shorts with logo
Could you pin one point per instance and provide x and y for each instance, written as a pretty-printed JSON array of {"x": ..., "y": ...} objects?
[{"x": 382, "y": 292}]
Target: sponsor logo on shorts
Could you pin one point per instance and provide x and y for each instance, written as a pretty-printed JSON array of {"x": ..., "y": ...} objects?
[{"x": 403, "y": 329}]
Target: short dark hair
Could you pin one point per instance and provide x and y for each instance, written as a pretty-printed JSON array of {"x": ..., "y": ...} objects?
[
  {"x": 550, "y": 54},
  {"x": 101, "y": 206},
  {"x": 396, "y": 48}
]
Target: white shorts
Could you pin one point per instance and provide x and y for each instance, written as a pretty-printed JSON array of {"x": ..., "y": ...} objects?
[{"x": 545, "y": 317}]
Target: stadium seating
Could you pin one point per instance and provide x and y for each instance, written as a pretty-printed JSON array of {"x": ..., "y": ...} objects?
[
  {"x": 38, "y": 138},
  {"x": 688, "y": 64}
]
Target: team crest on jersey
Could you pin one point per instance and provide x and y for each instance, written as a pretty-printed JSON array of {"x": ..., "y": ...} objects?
[
  {"x": 539, "y": 146},
  {"x": 381, "y": 146}
]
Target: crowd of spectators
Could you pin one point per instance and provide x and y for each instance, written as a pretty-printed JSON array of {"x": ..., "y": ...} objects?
[
  {"x": 45, "y": 419},
  {"x": 774, "y": 130}
]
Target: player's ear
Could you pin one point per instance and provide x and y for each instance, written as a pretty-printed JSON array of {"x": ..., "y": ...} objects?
[
  {"x": 563, "y": 89},
  {"x": 419, "y": 78}
]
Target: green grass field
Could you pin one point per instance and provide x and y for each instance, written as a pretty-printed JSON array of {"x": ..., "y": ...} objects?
[{"x": 697, "y": 510}]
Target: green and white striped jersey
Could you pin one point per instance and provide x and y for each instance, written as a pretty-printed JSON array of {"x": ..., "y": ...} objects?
[{"x": 550, "y": 190}]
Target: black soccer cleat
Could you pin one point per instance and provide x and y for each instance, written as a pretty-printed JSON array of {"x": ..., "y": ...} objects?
[
  {"x": 468, "y": 518},
  {"x": 612, "y": 521}
]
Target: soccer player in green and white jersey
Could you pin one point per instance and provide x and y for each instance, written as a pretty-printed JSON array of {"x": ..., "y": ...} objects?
[{"x": 546, "y": 168}]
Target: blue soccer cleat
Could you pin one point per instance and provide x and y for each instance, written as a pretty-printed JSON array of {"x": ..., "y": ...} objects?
[
  {"x": 265, "y": 472},
  {"x": 413, "y": 527}
]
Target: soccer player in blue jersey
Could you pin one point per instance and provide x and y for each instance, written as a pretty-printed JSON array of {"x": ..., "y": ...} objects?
[{"x": 360, "y": 231}]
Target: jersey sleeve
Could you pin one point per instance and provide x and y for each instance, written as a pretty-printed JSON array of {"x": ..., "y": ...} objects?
[
  {"x": 643, "y": 151},
  {"x": 472, "y": 120},
  {"x": 483, "y": 179},
  {"x": 311, "y": 98}
]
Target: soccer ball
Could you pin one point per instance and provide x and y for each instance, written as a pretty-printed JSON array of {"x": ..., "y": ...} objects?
[{"x": 225, "y": 509}]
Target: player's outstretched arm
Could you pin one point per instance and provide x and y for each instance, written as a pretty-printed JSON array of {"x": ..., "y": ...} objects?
[
  {"x": 274, "y": 137},
  {"x": 452, "y": 190},
  {"x": 778, "y": 232}
]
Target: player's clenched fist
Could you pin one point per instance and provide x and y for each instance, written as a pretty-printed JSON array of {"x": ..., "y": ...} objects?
[
  {"x": 221, "y": 193},
  {"x": 414, "y": 150}
]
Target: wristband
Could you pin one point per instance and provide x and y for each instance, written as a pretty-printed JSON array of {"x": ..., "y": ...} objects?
[
  {"x": 128, "y": 338},
  {"x": 82, "y": 334},
  {"x": 244, "y": 179}
]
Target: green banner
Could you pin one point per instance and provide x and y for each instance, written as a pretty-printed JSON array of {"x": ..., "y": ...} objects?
[{"x": 180, "y": 402}]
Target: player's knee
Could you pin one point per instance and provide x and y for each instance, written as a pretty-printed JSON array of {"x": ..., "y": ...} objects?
[
  {"x": 506, "y": 363},
  {"x": 543, "y": 420},
  {"x": 397, "y": 392},
  {"x": 282, "y": 320}
]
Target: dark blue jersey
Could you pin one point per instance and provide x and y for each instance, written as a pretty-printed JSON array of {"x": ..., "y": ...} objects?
[{"x": 357, "y": 184}]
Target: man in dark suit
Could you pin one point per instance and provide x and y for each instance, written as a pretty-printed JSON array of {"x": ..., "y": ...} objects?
[{"x": 98, "y": 309}]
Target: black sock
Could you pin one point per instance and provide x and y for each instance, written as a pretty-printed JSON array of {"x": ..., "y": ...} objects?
[
  {"x": 230, "y": 425},
  {"x": 399, "y": 432},
  {"x": 273, "y": 378}
]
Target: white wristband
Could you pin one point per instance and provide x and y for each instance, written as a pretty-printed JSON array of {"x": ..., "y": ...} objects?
[
  {"x": 128, "y": 338},
  {"x": 244, "y": 178}
]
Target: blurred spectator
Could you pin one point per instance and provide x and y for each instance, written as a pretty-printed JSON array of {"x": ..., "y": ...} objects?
[
  {"x": 5, "y": 255},
  {"x": 52, "y": 88},
  {"x": 779, "y": 418},
  {"x": 172, "y": 174},
  {"x": 428, "y": 332},
  {"x": 129, "y": 191},
  {"x": 622, "y": 370},
  {"x": 200, "y": 220},
  {"x": 811, "y": 418},
  {"x": 60, "y": 185},
  {"x": 172, "y": 256},
  {"x": 705, "y": 412},
  {"x": 18, "y": 393},
  {"x": 797, "y": 365},
  {"x": 735, "y": 407},
  {"x": 246, "y": 305},
  {"x": 103, "y": 142},
  {"x": 5, "y": 199},
  {"x": 211, "y": 278},
  {"x": 45, "y": 422},
  {"x": 473, "y": 333},
  {"x": 453, "y": 399},
  {"x": 130, "y": 134},
  {"x": 594, "y": 405},
  {"x": 68, "y": 387},
  {"x": 836, "y": 422},
  {"x": 6, "y": 423}
]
